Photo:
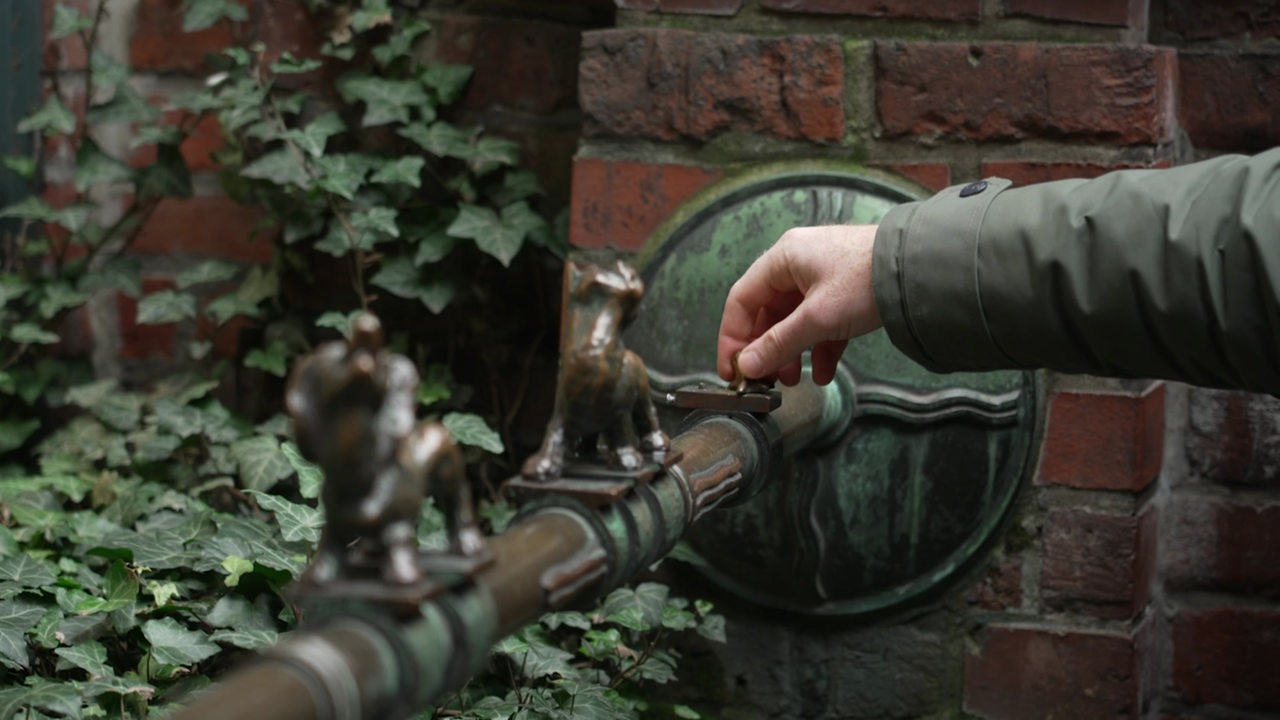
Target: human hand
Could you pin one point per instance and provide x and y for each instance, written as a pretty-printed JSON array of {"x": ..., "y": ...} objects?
[{"x": 810, "y": 291}]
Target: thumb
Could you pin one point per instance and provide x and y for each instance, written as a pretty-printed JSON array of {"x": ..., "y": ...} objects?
[{"x": 778, "y": 346}]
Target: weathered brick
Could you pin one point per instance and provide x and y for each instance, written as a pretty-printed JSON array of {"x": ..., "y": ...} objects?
[
  {"x": 1233, "y": 437},
  {"x": 1013, "y": 91},
  {"x": 1221, "y": 544},
  {"x": 1122, "y": 13},
  {"x": 693, "y": 7},
  {"x": 140, "y": 342},
  {"x": 159, "y": 44},
  {"x": 664, "y": 84},
  {"x": 1000, "y": 586},
  {"x": 1033, "y": 672},
  {"x": 1104, "y": 442},
  {"x": 620, "y": 203},
  {"x": 934, "y": 176},
  {"x": 1228, "y": 99},
  {"x": 1029, "y": 173},
  {"x": 211, "y": 226},
  {"x": 519, "y": 64},
  {"x": 1223, "y": 19},
  {"x": 917, "y": 9},
  {"x": 1227, "y": 656},
  {"x": 1098, "y": 563}
]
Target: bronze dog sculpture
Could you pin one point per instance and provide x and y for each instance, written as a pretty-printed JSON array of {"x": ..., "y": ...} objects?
[
  {"x": 603, "y": 388},
  {"x": 353, "y": 411}
]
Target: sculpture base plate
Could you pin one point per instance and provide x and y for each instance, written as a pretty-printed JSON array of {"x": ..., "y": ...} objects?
[
  {"x": 590, "y": 481},
  {"x": 362, "y": 584}
]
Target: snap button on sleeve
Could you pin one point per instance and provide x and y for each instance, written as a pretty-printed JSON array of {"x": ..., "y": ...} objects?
[{"x": 973, "y": 188}]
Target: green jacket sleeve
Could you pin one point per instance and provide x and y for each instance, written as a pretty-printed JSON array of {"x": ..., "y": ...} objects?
[{"x": 1169, "y": 273}]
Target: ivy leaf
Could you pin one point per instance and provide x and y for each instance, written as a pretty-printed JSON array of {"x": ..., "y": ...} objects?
[
  {"x": 342, "y": 322},
  {"x": 68, "y": 21},
  {"x": 439, "y": 138},
  {"x": 24, "y": 167},
  {"x": 447, "y": 80},
  {"x": 203, "y": 14},
  {"x": 90, "y": 656},
  {"x": 206, "y": 272},
  {"x": 297, "y": 522},
  {"x": 400, "y": 43},
  {"x": 165, "y": 306},
  {"x": 168, "y": 176},
  {"x": 26, "y": 571},
  {"x": 16, "y": 618},
  {"x": 261, "y": 462},
  {"x": 260, "y": 284},
  {"x": 236, "y": 567},
  {"x": 234, "y": 612},
  {"x": 108, "y": 72},
  {"x": 312, "y": 138},
  {"x": 247, "y": 639},
  {"x": 434, "y": 386},
  {"x": 398, "y": 276},
  {"x": 120, "y": 590},
  {"x": 126, "y": 106},
  {"x": 290, "y": 65},
  {"x": 310, "y": 476},
  {"x": 173, "y": 644},
  {"x": 385, "y": 100},
  {"x": 471, "y": 429},
  {"x": 13, "y": 433},
  {"x": 379, "y": 221},
  {"x": 58, "y": 296},
  {"x": 51, "y": 118},
  {"x": 95, "y": 167},
  {"x": 517, "y": 185},
  {"x": 61, "y": 699},
  {"x": 32, "y": 334},
  {"x": 162, "y": 592},
  {"x": 282, "y": 167},
  {"x": 433, "y": 247},
  {"x": 535, "y": 656},
  {"x": 488, "y": 231},
  {"x": 489, "y": 153},
  {"x": 272, "y": 359},
  {"x": 403, "y": 171},
  {"x": 343, "y": 173}
]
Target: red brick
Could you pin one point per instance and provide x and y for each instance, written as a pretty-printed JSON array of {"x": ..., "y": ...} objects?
[
  {"x": 1098, "y": 563},
  {"x": 918, "y": 9},
  {"x": 1031, "y": 672},
  {"x": 1221, "y": 544},
  {"x": 1122, "y": 13},
  {"x": 159, "y": 44},
  {"x": 661, "y": 84},
  {"x": 210, "y": 226},
  {"x": 1228, "y": 99},
  {"x": 1029, "y": 173},
  {"x": 139, "y": 342},
  {"x": 520, "y": 64},
  {"x": 1013, "y": 91},
  {"x": 698, "y": 7},
  {"x": 68, "y": 53},
  {"x": 620, "y": 203},
  {"x": 287, "y": 26},
  {"x": 1227, "y": 656},
  {"x": 1104, "y": 442},
  {"x": 1223, "y": 19},
  {"x": 934, "y": 176},
  {"x": 1233, "y": 438}
]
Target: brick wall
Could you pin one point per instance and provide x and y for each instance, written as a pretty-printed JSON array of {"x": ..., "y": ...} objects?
[{"x": 1138, "y": 576}]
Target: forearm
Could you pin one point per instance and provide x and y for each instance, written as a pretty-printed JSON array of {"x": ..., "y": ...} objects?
[{"x": 1167, "y": 273}]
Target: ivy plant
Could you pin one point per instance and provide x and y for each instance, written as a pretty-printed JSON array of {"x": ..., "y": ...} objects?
[{"x": 148, "y": 528}]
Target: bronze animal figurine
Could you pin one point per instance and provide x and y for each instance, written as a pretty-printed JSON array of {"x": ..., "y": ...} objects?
[
  {"x": 603, "y": 389},
  {"x": 353, "y": 411}
]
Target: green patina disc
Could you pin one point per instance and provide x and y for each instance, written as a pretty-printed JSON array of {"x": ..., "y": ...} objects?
[{"x": 894, "y": 508}]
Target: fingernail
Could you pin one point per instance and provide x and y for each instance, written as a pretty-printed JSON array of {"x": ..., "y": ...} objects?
[{"x": 750, "y": 364}]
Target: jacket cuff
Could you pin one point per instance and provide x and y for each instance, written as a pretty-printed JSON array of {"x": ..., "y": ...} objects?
[{"x": 925, "y": 278}]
